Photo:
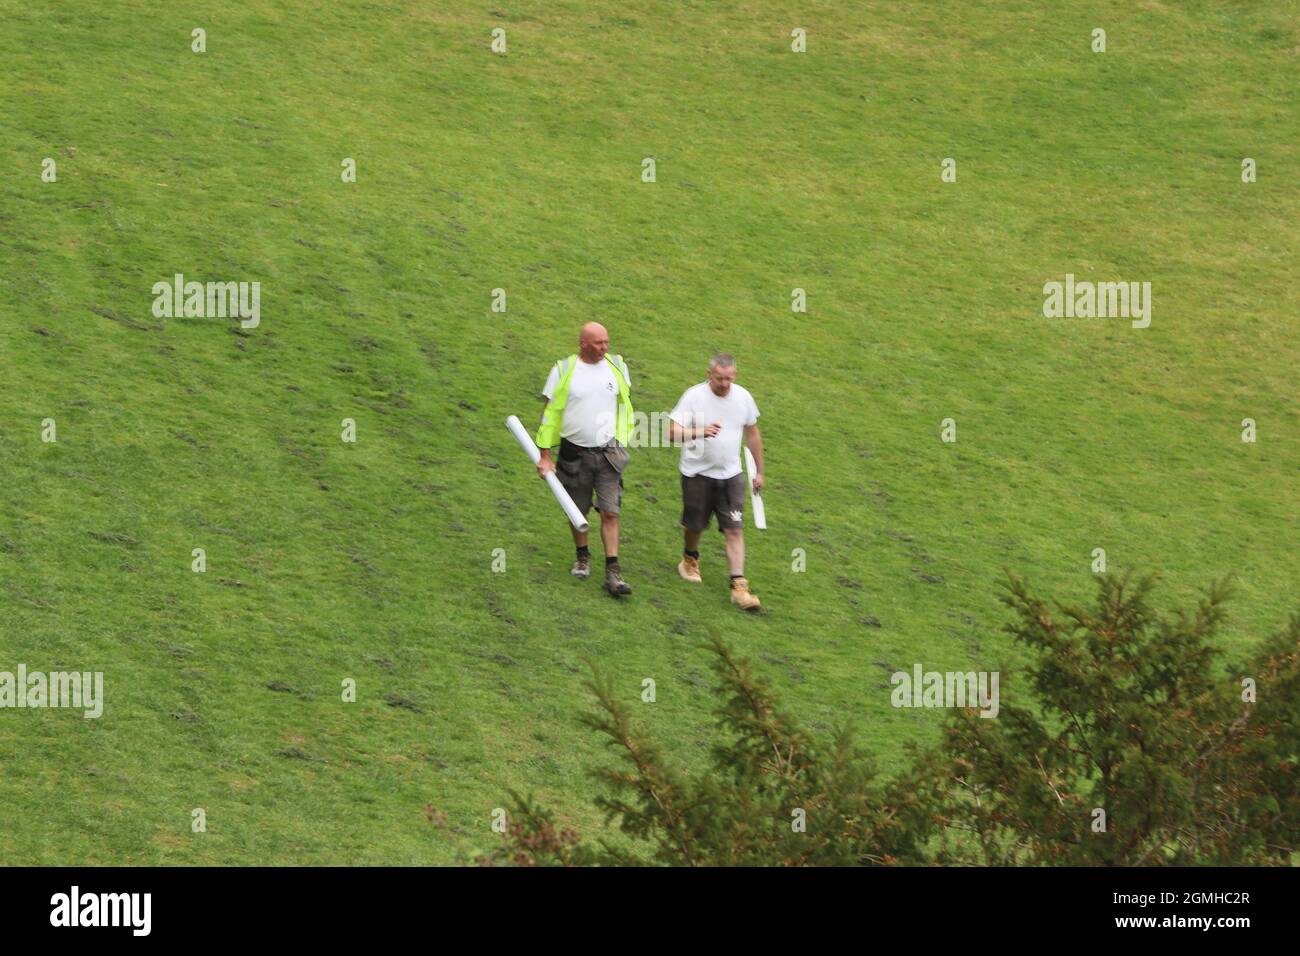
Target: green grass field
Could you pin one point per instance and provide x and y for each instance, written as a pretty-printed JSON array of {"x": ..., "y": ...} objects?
[{"x": 775, "y": 170}]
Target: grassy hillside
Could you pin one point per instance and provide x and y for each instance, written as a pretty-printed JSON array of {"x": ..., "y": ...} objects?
[{"x": 775, "y": 170}]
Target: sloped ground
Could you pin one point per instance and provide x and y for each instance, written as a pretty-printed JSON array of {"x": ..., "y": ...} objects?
[{"x": 372, "y": 560}]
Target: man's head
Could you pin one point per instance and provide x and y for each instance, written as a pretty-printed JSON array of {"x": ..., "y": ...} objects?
[
  {"x": 722, "y": 372},
  {"x": 593, "y": 342}
]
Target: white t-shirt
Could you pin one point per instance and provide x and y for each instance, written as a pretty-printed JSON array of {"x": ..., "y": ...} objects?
[
  {"x": 717, "y": 457},
  {"x": 592, "y": 409}
]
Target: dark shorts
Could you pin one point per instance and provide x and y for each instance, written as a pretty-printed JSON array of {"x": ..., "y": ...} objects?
[
  {"x": 702, "y": 498},
  {"x": 584, "y": 471}
]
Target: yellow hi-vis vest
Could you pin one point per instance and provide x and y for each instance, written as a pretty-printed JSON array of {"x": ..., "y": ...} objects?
[{"x": 549, "y": 434}]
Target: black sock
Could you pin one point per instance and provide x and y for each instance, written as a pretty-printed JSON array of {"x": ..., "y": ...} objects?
[
  {"x": 584, "y": 552},
  {"x": 611, "y": 559},
  {"x": 692, "y": 554},
  {"x": 734, "y": 576}
]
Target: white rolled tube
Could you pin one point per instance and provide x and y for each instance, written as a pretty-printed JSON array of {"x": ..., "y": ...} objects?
[
  {"x": 530, "y": 448},
  {"x": 755, "y": 498}
]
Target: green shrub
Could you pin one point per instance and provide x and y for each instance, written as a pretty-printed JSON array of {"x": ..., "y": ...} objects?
[
  {"x": 1121, "y": 711},
  {"x": 1130, "y": 713}
]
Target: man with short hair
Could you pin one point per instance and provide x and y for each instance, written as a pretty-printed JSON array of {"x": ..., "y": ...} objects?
[
  {"x": 589, "y": 415},
  {"x": 711, "y": 418}
]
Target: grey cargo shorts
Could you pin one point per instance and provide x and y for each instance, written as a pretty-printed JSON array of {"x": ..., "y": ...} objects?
[{"x": 584, "y": 471}]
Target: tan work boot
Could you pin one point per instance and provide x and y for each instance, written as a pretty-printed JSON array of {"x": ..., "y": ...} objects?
[
  {"x": 689, "y": 568},
  {"x": 581, "y": 567},
  {"x": 741, "y": 597}
]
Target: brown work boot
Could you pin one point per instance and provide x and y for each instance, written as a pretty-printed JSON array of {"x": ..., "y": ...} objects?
[
  {"x": 614, "y": 582},
  {"x": 582, "y": 567},
  {"x": 741, "y": 597},
  {"x": 689, "y": 568}
]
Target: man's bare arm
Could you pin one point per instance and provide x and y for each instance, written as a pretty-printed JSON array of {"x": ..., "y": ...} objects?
[{"x": 678, "y": 433}]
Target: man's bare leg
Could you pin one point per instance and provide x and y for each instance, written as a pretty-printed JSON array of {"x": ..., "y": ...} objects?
[
  {"x": 735, "y": 550},
  {"x": 609, "y": 533}
]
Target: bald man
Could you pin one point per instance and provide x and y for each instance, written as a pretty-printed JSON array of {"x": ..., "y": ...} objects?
[{"x": 588, "y": 413}]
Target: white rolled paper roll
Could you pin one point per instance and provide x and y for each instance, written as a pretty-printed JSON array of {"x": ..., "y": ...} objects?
[
  {"x": 755, "y": 499},
  {"x": 530, "y": 448}
]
